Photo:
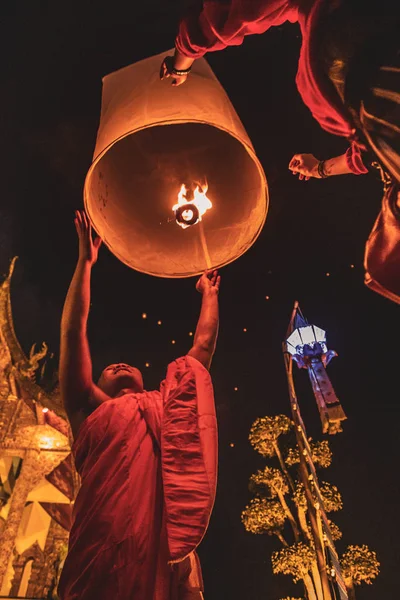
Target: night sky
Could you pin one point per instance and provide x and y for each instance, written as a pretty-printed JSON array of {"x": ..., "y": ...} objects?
[{"x": 53, "y": 57}]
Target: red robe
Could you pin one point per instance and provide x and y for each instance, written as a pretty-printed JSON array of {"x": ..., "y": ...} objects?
[
  {"x": 148, "y": 464},
  {"x": 223, "y": 23}
]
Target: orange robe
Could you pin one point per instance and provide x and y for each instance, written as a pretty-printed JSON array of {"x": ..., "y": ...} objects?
[{"x": 148, "y": 464}]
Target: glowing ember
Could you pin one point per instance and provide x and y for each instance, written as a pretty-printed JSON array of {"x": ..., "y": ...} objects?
[{"x": 190, "y": 212}]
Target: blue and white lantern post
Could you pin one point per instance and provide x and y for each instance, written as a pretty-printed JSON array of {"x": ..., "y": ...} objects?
[{"x": 307, "y": 346}]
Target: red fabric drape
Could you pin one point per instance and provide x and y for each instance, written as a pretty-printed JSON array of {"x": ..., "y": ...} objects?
[
  {"x": 382, "y": 251},
  {"x": 226, "y": 23},
  {"x": 148, "y": 468}
]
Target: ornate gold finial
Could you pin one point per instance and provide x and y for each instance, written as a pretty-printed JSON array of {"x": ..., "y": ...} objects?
[{"x": 7, "y": 279}]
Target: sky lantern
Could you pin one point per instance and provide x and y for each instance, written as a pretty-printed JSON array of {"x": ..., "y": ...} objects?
[{"x": 175, "y": 186}]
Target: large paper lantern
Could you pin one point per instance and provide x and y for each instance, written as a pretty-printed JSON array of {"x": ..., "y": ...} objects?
[{"x": 156, "y": 143}]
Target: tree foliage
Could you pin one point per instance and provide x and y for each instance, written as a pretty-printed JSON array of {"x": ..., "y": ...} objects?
[
  {"x": 268, "y": 480},
  {"x": 265, "y": 432},
  {"x": 331, "y": 497},
  {"x": 335, "y": 531},
  {"x": 279, "y": 498},
  {"x": 321, "y": 454},
  {"x": 263, "y": 516},
  {"x": 295, "y": 560},
  {"x": 360, "y": 564}
]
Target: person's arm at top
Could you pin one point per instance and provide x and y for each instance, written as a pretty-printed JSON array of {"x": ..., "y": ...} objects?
[
  {"x": 205, "y": 338},
  {"x": 306, "y": 166},
  {"x": 196, "y": 36},
  {"x": 209, "y": 26},
  {"x": 78, "y": 392}
]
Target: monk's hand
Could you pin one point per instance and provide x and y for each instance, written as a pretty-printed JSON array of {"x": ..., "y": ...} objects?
[
  {"x": 168, "y": 70},
  {"x": 88, "y": 247},
  {"x": 209, "y": 282},
  {"x": 305, "y": 166}
]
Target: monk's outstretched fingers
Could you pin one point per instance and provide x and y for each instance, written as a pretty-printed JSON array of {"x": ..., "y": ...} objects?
[
  {"x": 88, "y": 226},
  {"x": 78, "y": 222}
]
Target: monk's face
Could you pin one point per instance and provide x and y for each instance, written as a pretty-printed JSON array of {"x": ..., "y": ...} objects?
[{"x": 118, "y": 377}]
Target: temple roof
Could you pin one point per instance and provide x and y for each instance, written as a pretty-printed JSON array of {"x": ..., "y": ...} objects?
[{"x": 13, "y": 359}]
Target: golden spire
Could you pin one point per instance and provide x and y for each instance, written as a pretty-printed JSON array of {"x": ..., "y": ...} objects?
[{"x": 13, "y": 361}]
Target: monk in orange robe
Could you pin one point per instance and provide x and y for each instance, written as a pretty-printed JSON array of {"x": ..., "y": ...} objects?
[{"x": 147, "y": 460}]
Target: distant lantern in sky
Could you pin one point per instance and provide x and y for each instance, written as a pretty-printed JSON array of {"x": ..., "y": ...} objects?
[{"x": 175, "y": 186}]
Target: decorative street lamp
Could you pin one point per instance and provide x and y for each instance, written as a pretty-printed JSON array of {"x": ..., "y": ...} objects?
[{"x": 307, "y": 346}]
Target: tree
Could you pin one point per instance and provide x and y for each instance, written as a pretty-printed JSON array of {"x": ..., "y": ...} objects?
[
  {"x": 265, "y": 431},
  {"x": 264, "y": 516},
  {"x": 264, "y": 436},
  {"x": 297, "y": 561},
  {"x": 275, "y": 483},
  {"x": 359, "y": 565},
  {"x": 280, "y": 499},
  {"x": 320, "y": 452},
  {"x": 330, "y": 495}
]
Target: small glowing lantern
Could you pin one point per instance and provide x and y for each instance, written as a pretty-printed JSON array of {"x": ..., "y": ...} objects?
[{"x": 157, "y": 145}]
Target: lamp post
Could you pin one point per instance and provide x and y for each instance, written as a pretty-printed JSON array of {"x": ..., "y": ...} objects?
[{"x": 306, "y": 345}]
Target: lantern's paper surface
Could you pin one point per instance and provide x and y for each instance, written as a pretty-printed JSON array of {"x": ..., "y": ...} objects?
[{"x": 153, "y": 138}]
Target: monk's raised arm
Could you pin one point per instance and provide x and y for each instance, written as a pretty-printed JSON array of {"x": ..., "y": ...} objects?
[
  {"x": 78, "y": 392},
  {"x": 205, "y": 338}
]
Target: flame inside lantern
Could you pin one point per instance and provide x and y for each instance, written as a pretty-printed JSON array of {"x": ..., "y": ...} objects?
[{"x": 190, "y": 212}]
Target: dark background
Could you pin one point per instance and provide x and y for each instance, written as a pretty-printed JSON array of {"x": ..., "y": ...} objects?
[{"x": 53, "y": 57}]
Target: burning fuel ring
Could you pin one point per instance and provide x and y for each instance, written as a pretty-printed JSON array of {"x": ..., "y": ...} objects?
[{"x": 192, "y": 215}]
